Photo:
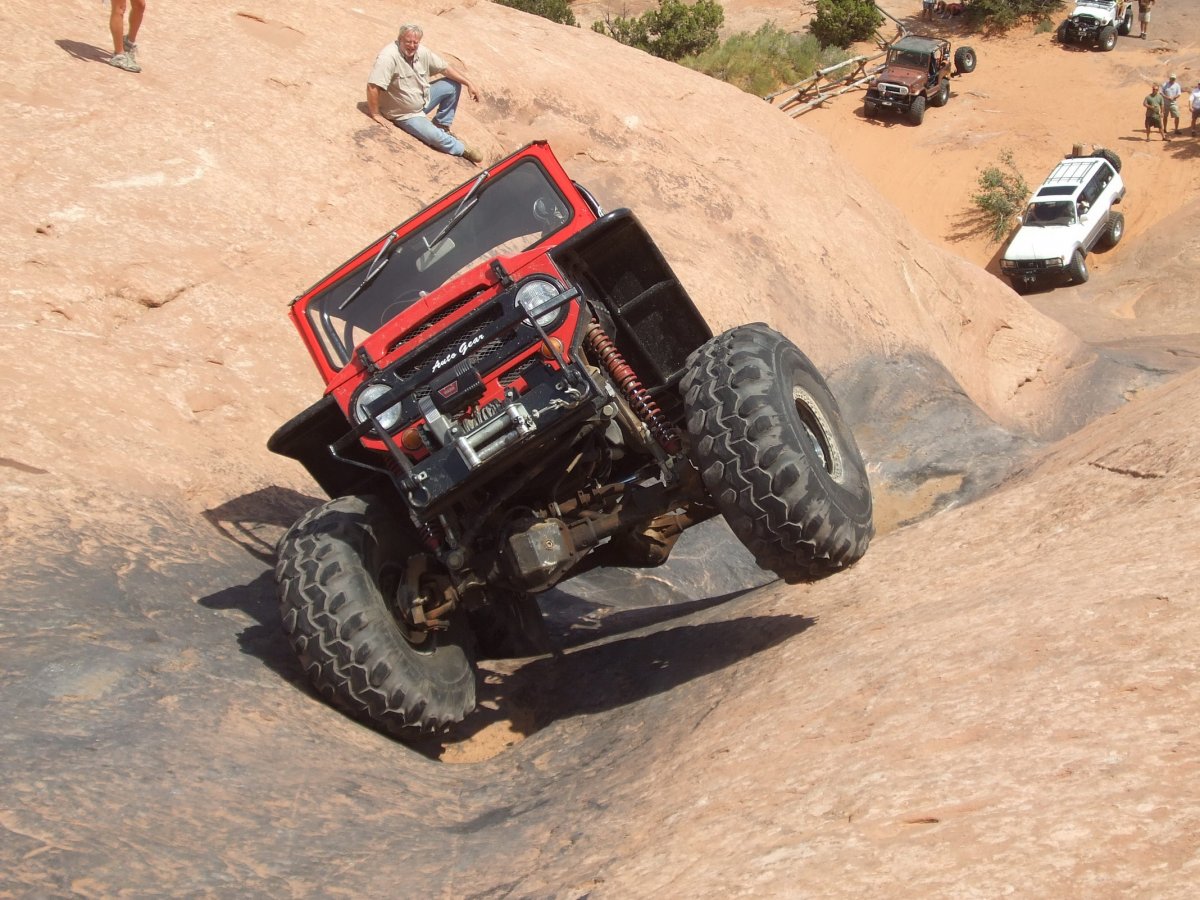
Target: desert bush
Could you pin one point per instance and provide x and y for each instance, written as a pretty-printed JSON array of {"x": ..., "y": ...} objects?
[
  {"x": 1003, "y": 14},
  {"x": 758, "y": 63},
  {"x": 554, "y": 10},
  {"x": 1043, "y": 26},
  {"x": 1002, "y": 195},
  {"x": 672, "y": 31},
  {"x": 839, "y": 23}
]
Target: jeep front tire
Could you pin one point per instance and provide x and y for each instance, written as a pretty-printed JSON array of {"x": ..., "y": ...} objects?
[
  {"x": 1108, "y": 38},
  {"x": 339, "y": 571},
  {"x": 916, "y": 112},
  {"x": 783, "y": 468}
]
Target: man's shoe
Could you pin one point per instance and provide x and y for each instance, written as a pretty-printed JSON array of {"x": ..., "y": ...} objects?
[
  {"x": 125, "y": 61},
  {"x": 130, "y": 48},
  {"x": 445, "y": 128},
  {"x": 471, "y": 155}
]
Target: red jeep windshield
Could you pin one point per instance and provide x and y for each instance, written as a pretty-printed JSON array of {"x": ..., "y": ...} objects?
[{"x": 499, "y": 216}]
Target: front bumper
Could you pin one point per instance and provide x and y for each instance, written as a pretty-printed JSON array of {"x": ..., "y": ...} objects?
[{"x": 1031, "y": 272}]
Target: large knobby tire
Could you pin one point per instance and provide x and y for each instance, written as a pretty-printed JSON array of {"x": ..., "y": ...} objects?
[
  {"x": 964, "y": 61},
  {"x": 916, "y": 111},
  {"x": 870, "y": 110},
  {"x": 1077, "y": 269},
  {"x": 775, "y": 455},
  {"x": 338, "y": 571},
  {"x": 942, "y": 97},
  {"x": 1108, "y": 38},
  {"x": 1114, "y": 229},
  {"x": 1111, "y": 155}
]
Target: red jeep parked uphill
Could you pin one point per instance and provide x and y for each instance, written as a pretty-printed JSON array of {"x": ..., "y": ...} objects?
[{"x": 518, "y": 389}]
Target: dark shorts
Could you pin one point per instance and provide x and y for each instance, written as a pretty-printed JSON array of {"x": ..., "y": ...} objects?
[{"x": 1153, "y": 119}]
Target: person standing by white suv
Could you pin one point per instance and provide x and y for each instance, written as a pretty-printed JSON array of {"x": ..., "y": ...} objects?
[{"x": 1195, "y": 104}]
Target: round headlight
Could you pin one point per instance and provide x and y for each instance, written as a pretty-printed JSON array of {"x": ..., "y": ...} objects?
[
  {"x": 533, "y": 295},
  {"x": 372, "y": 392}
]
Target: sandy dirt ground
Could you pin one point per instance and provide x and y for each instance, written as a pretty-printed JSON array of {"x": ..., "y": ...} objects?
[{"x": 999, "y": 700}]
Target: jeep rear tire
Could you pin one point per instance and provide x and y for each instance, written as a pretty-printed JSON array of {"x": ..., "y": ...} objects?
[
  {"x": 964, "y": 61},
  {"x": 1114, "y": 228},
  {"x": 775, "y": 455},
  {"x": 1108, "y": 38},
  {"x": 1125, "y": 26},
  {"x": 942, "y": 97},
  {"x": 916, "y": 112},
  {"x": 1077, "y": 269},
  {"x": 338, "y": 571}
]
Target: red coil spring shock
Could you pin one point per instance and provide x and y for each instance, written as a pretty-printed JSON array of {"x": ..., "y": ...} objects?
[
  {"x": 639, "y": 398},
  {"x": 432, "y": 535}
]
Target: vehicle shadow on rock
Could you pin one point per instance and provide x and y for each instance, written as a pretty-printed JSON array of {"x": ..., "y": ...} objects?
[
  {"x": 264, "y": 639},
  {"x": 611, "y": 673},
  {"x": 255, "y": 521}
]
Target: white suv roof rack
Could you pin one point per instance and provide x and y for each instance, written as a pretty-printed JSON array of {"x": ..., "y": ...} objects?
[{"x": 1069, "y": 173}]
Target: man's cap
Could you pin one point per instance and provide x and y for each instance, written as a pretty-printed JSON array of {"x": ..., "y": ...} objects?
[{"x": 1171, "y": 77}]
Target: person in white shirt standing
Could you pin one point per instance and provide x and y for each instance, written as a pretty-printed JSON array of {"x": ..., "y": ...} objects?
[
  {"x": 1171, "y": 91},
  {"x": 400, "y": 93},
  {"x": 1195, "y": 104}
]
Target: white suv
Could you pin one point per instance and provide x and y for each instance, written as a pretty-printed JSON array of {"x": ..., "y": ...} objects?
[{"x": 1071, "y": 213}]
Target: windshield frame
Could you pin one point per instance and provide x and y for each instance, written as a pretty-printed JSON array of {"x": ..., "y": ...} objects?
[{"x": 496, "y": 214}]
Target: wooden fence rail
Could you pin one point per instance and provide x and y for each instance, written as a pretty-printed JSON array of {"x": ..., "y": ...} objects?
[{"x": 825, "y": 84}]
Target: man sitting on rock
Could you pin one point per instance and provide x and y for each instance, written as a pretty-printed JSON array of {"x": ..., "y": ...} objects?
[{"x": 399, "y": 91}]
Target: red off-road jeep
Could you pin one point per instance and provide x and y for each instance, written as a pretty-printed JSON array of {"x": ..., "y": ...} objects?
[{"x": 518, "y": 389}]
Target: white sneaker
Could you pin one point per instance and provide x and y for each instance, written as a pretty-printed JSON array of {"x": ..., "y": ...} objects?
[
  {"x": 130, "y": 48},
  {"x": 125, "y": 61}
]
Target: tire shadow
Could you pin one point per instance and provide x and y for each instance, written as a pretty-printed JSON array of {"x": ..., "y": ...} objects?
[{"x": 609, "y": 674}]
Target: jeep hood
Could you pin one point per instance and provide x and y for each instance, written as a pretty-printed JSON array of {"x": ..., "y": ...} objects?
[
  {"x": 910, "y": 78},
  {"x": 1104, "y": 12},
  {"x": 1040, "y": 242}
]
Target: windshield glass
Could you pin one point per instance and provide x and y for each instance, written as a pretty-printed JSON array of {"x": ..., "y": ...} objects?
[
  {"x": 912, "y": 59},
  {"x": 1059, "y": 212},
  {"x": 507, "y": 214}
]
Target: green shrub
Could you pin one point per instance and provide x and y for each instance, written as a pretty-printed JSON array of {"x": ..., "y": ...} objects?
[
  {"x": 672, "y": 31},
  {"x": 1043, "y": 26},
  {"x": 839, "y": 23},
  {"x": 759, "y": 63},
  {"x": 554, "y": 10},
  {"x": 1002, "y": 195},
  {"x": 1001, "y": 14}
]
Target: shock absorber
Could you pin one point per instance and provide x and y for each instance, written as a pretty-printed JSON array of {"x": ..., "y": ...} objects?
[
  {"x": 432, "y": 534},
  {"x": 639, "y": 398}
]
